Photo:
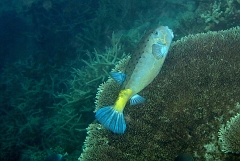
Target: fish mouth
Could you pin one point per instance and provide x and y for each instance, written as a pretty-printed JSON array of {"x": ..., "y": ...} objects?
[
  {"x": 163, "y": 38},
  {"x": 165, "y": 34},
  {"x": 161, "y": 41}
]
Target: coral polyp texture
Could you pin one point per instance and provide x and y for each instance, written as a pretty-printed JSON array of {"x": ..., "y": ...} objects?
[
  {"x": 193, "y": 95},
  {"x": 229, "y": 136}
]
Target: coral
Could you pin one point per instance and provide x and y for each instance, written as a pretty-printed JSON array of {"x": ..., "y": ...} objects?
[
  {"x": 213, "y": 15},
  {"x": 229, "y": 135},
  {"x": 30, "y": 114},
  {"x": 85, "y": 80},
  {"x": 48, "y": 99},
  {"x": 25, "y": 92},
  {"x": 101, "y": 63},
  {"x": 221, "y": 14},
  {"x": 195, "y": 92},
  {"x": 125, "y": 15},
  {"x": 55, "y": 106}
]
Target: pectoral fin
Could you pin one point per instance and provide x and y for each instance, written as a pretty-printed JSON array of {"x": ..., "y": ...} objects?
[
  {"x": 159, "y": 50},
  {"x": 119, "y": 77}
]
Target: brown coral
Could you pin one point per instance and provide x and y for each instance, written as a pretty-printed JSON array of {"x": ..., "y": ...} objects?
[
  {"x": 195, "y": 92},
  {"x": 229, "y": 135}
]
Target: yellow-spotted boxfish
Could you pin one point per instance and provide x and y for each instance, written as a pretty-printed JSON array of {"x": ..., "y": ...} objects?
[{"x": 143, "y": 66}]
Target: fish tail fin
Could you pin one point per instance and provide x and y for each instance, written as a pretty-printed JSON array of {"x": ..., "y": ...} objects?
[{"x": 111, "y": 119}]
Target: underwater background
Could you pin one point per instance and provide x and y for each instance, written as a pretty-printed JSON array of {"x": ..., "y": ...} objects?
[{"x": 56, "y": 53}]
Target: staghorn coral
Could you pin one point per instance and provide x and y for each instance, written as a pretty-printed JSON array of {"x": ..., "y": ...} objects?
[
  {"x": 25, "y": 91},
  {"x": 195, "y": 92},
  {"x": 85, "y": 81},
  {"x": 220, "y": 14},
  {"x": 44, "y": 100},
  {"x": 213, "y": 15},
  {"x": 229, "y": 135}
]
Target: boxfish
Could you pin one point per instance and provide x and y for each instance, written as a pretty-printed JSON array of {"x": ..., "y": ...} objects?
[{"x": 144, "y": 65}]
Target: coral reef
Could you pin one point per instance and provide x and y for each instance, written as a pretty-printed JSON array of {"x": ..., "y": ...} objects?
[
  {"x": 66, "y": 49},
  {"x": 56, "y": 107},
  {"x": 213, "y": 15},
  {"x": 221, "y": 14},
  {"x": 229, "y": 135},
  {"x": 29, "y": 120},
  {"x": 85, "y": 80},
  {"x": 195, "y": 92}
]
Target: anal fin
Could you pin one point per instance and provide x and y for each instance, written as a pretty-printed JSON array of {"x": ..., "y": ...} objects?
[
  {"x": 159, "y": 50},
  {"x": 137, "y": 99}
]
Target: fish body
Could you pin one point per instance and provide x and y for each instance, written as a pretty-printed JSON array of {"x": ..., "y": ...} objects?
[
  {"x": 147, "y": 61},
  {"x": 142, "y": 68}
]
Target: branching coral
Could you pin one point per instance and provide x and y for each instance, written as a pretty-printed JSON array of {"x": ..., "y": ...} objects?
[
  {"x": 55, "y": 106},
  {"x": 84, "y": 82},
  {"x": 224, "y": 13},
  {"x": 30, "y": 111},
  {"x": 100, "y": 64},
  {"x": 229, "y": 135},
  {"x": 24, "y": 95},
  {"x": 196, "y": 90},
  {"x": 213, "y": 15}
]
